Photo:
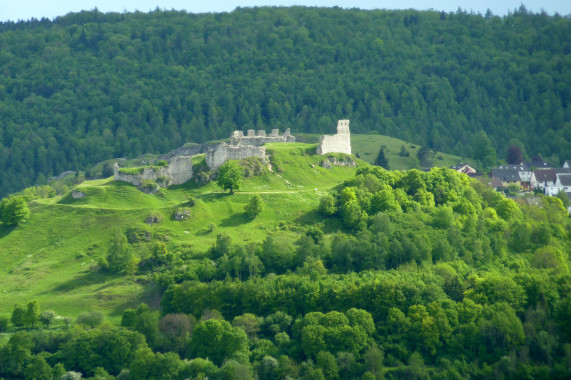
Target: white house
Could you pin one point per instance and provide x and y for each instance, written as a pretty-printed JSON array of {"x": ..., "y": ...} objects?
[
  {"x": 542, "y": 178},
  {"x": 563, "y": 182}
]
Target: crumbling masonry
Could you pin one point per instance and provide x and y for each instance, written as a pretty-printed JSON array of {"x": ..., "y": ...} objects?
[{"x": 338, "y": 143}]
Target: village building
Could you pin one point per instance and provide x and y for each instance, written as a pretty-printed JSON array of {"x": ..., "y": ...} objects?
[
  {"x": 563, "y": 182},
  {"x": 542, "y": 178},
  {"x": 463, "y": 168}
]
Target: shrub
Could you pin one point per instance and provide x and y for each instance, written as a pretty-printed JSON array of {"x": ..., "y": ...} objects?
[
  {"x": 230, "y": 176},
  {"x": 4, "y": 323},
  {"x": 149, "y": 186},
  {"x": 14, "y": 210},
  {"x": 255, "y": 206},
  {"x": 91, "y": 318},
  {"x": 327, "y": 205}
]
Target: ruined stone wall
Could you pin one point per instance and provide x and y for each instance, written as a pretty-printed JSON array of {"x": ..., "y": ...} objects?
[
  {"x": 178, "y": 172},
  {"x": 338, "y": 143},
  {"x": 217, "y": 156},
  {"x": 260, "y": 137}
]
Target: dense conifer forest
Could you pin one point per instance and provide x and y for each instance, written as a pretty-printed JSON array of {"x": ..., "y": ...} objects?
[{"x": 90, "y": 86}]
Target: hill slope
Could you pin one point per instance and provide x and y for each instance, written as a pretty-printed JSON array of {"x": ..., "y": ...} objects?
[
  {"x": 352, "y": 271},
  {"x": 91, "y": 86},
  {"x": 54, "y": 256}
]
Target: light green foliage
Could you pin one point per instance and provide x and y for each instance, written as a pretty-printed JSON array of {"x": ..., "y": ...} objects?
[
  {"x": 38, "y": 369},
  {"x": 111, "y": 350},
  {"x": 149, "y": 365},
  {"x": 353, "y": 216},
  {"x": 217, "y": 340},
  {"x": 327, "y": 205},
  {"x": 14, "y": 210},
  {"x": 230, "y": 176},
  {"x": 562, "y": 195},
  {"x": 119, "y": 256},
  {"x": 47, "y": 317},
  {"x": 255, "y": 206},
  {"x": 249, "y": 323},
  {"x": 331, "y": 332},
  {"x": 201, "y": 367},
  {"x": 443, "y": 217},
  {"x": 90, "y": 318}
]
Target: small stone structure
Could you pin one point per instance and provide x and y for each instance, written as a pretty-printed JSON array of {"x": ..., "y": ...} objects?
[
  {"x": 260, "y": 137},
  {"x": 338, "y": 143},
  {"x": 243, "y": 146},
  {"x": 178, "y": 171}
]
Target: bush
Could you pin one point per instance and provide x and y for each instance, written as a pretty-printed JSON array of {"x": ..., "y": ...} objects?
[
  {"x": 91, "y": 318},
  {"x": 14, "y": 210},
  {"x": 4, "y": 323},
  {"x": 327, "y": 205},
  {"x": 107, "y": 170},
  {"x": 255, "y": 206},
  {"x": 162, "y": 163},
  {"x": 230, "y": 176},
  {"x": 119, "y": 256},
  {"x": 149, "y": 186}
]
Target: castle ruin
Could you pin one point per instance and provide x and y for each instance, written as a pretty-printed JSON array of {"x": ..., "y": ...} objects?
[
  {"x": 217, "y": 156},
  {"x": 260, "y": 138},
  {"x": 338, "y": 143},
  {"x": 177, "y": 172},
  {"x": 243, "y": 146}
]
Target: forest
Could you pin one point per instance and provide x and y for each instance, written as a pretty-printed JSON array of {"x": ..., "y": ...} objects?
[
  {"x": 91, "y": 86},
  {"x": 409, "y": 274}
]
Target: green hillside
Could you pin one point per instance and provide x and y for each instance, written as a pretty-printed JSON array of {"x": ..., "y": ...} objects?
[
  {"x": 54, "y": 256},
  {"x": 367, "y": 147},
  {"x": 89, "y": 86},
  {"x": 348, "y": 272}
]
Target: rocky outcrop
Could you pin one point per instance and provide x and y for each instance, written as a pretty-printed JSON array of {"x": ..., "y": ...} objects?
[
  {"x": 76, "y": 194},
  {"x": 338, "y": 143},
  {"x": 177, "y": 172}
]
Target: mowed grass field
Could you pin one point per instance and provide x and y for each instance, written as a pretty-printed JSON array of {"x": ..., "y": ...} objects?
[{"x": 54, "y": 256}]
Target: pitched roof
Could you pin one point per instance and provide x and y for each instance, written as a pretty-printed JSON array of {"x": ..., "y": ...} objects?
[
  {"x": 506, "y": 175},
  {"x": 538, "y": 164},
  {"x": 543, "y": 175},
  {"x": 520, "y": 167},
  {"x": 496, "y": 182}
]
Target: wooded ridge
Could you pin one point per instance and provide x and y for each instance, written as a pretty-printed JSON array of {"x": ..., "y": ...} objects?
[{"x": 91, "y": 86}]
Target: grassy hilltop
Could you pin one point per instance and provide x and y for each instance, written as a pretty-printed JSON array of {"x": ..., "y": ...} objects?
[{"x": 53, "y": 257}]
